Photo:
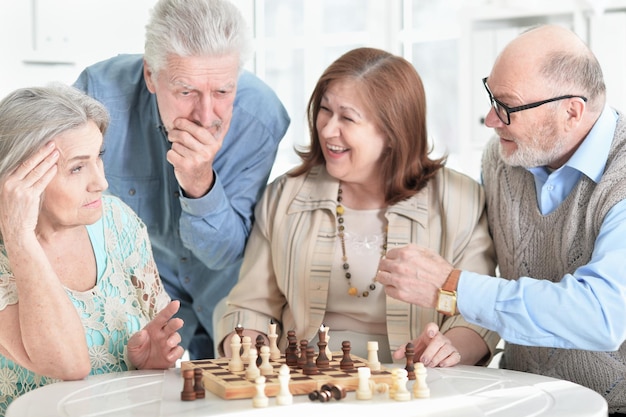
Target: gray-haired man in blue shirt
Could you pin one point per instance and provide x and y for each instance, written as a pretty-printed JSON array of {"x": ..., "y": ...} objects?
[{"x": 190, "y": 147}]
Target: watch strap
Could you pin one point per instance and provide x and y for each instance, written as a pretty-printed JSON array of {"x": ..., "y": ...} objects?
[{"x": 452, "y": 281}]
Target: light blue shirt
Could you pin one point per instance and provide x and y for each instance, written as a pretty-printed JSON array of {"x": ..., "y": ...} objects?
[
  {"x": 586, "y": 309},
  {"x": 198, "y": 243}
]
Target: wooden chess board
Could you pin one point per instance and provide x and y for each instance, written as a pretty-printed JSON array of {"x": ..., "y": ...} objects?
[{"x": 234, "y": 385}]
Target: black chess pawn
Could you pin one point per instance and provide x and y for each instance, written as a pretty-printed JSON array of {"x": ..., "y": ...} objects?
[
  {"x": 346, "y": 361},
  {"x": 310, "y": 368},
  {"x": 188, "y": 393},
  {"x": 260, "y": 342},
  {"x": 198, "y": 387},
  {"x": 291, "y": 353},
  {"x": 409, "y": 353},
  {"x": 302, "y": 358}
]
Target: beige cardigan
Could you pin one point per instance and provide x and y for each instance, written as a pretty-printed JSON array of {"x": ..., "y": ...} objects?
[{"x": 286, "y": 268}]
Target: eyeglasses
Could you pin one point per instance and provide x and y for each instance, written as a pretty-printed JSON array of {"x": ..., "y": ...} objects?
[{"x": 504, "y": 112}]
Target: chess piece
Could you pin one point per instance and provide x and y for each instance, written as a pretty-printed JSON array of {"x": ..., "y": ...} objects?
[
  {"x": 409, "y": 353},
  {"x": 198, "y": 387},
  {"x": 329, "y": 391},
  {"x": 272, "y": 327},
  {"x": 266, "y": 367},
  {"x": 329, "y": 353},
  {"x": 379, "y": 388},
  {"x": 338, "y": 391},
  {"x": 325, "y": 394},
  {"x": 364, "y": 391},
  {"x": 284, "y": 396},
  {"x": 346, "y": 361},
  {"x": 310, "y": 368},
  {"x": 372, "y": 356},
  {"x": 291, "y": 353},
  {"x": 260, "y": 341},
  {"x": 252, "y": 371},
  {"x": 322, "y": 360},
  {"x": 235, "y": 364},
  {"x": 273, "y": 336},
  {"x": 393, "y": 387},
  {"x": 260, "y": 399},
  {"x": 402, "y": 393},
  {"x": 314, "y": 395},
  {"x": 188, "y": 393},
  {"x": 302, "y": 359},
  {"x": 239, "y": 331},
  {"x": 246, "y": 343},
  {"x": 420, "y": 389}
]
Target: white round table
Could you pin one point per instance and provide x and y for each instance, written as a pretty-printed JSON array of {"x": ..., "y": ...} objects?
[{"x": 466, "y": 391}]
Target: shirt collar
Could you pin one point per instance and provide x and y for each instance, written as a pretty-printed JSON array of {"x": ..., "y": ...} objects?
[{"x": 591, "y": 156}]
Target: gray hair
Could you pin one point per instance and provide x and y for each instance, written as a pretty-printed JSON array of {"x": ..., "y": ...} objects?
[
  {"x": 195, "y": 28},
  {"x": 31, "y": 117},
  {"x": 576, "y": 73}
]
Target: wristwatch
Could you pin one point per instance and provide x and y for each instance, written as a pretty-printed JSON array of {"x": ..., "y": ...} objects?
[{"x": 446, "y": 301}]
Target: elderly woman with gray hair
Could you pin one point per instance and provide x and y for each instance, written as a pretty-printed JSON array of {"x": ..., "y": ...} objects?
[{"x": 79, "y": 290}]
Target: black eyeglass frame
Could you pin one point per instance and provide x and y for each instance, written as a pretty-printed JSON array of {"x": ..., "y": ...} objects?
[{"x": 495, "y": 103}]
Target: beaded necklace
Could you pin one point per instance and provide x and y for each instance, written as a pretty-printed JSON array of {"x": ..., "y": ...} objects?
[{"x": 352, "y": 290}]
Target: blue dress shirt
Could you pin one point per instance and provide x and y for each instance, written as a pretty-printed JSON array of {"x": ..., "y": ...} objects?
[
  {"x": 198, "y": 244},
  {"x": 523, "y": 311}
]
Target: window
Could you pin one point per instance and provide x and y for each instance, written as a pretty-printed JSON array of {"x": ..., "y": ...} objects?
[{"x": 296, "y": 40}]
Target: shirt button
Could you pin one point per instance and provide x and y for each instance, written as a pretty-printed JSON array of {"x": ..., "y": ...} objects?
[
  {"x": 176, "y": 194},
  {"x": 131, "y": 191},
  {"x": 183, "y": 259},
  {"x": 187, "y": 280},
  {"x": 199, "y": 309},
  {"x": 550, "y": 187}
]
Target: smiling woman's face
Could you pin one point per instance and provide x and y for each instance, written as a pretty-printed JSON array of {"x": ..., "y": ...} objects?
[{"x": 351, "y": 142}]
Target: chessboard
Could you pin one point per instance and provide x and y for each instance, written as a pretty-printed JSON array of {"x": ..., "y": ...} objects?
[{"x": 219, "y": 380}]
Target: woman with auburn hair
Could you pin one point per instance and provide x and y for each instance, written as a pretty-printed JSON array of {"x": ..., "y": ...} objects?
[{"x": 366, "y": 184}]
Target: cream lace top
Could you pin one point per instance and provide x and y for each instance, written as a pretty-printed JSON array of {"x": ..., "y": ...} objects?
[{"x": 127, "y": 295}]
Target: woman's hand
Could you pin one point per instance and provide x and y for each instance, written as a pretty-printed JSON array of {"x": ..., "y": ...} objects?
[
  {"x": 432, "y": 348},
  {"x": 21, "y": 191},
  {"x": 156, "y": 346}
]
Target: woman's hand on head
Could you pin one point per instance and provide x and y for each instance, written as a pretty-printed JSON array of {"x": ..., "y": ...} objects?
[{"x": 21, "y": 191}]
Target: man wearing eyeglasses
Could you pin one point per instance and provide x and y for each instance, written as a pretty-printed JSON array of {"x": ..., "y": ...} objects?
[{"x": 555, "y": 187}]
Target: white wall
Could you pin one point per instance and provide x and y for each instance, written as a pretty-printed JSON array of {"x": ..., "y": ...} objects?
[{"x": 53, "y": 40}]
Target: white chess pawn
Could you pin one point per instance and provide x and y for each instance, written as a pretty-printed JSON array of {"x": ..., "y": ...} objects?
[
  {"x": 402, "y": 393},
  {"x": 284, "y": 396},
  {"x": 364, "y": 391},
  {"x": 260, "y": 399},
  {"x": 266, "y": 367},
  {"x": 235, "y": 364},
  {"x": 372, "y": 356},
  {"x": 420, "y": 388},
  {"x": 393, "y": 387},
  {"x": 252, "y": 371},
  {"x": 246, "y": 343}
]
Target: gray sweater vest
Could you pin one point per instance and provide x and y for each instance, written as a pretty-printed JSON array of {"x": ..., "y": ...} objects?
[{"x": 548, "y": 247}]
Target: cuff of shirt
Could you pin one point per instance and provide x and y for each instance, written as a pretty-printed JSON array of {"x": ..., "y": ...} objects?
[
  {"x": 476, "y": 298},
  {"x": 206, "y": 205}
]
